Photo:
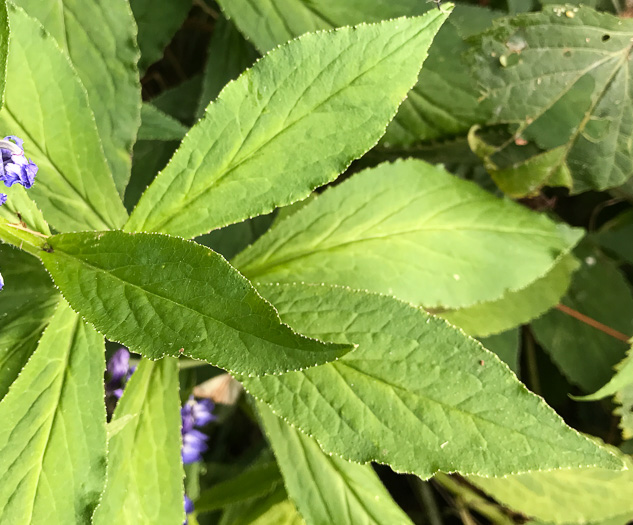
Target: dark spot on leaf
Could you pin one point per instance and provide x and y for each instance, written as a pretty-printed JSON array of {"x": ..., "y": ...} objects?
[
  {"x": 606, "y": 38},
  {"x": 567, "y": 53},
  {"x": 47, "y": 248}
]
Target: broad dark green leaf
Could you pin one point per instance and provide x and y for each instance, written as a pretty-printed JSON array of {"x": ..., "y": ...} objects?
[
  {"x": 584, "y": 354},
  {"x": 566, "y": 496},
  {"x": 506, "y": 346},
  {"x": 26, "y": 306},
  {"x": 443, "y": 102},
  {"x": 516, "y": 308},
  {"x": 156, "y": 125},
  {"x": 293, "y": 122},
  {"x": 327, "y": 488},
  {"x": 46, "y": 105},
  {"x": 100, "y": 39},
  {"x": 158, "y": 21},
  {"x": 617, "y": 237},
  {"x": 414, "y": 231},
  {"x": 417, "y": 394},
  {"x": 53, "y": 431},
  {"x": 144, "y": 477},
  {"x": 563, "y": 78},
  {"x": 229, "y": 54},
  {"x": 159, "y": 295}
]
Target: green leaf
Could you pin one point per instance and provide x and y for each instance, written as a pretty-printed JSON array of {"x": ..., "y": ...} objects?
[
  {"x": 53, "y": 435},
  {"x": 181, "y": 101},
  {"x": 19, "y": 208},
  {"x": 159, "y": 295},
  {"x": 414, "y": 231},
  {"x": 516, "y": 308},
  {"x": 617, "y": 236},
  {"x": 565, "y": 496},
  {"x": 157, "y": 125},
  {"x": 28, "y": 302},
  {"x": 328, "y": 489},
  {"x": 4, "y": 47},
  {"x": 144, "y": 477},
  {"x": 46, "y": 105},
  {"x": 293, "y": 122},
  {"x": 417, "y": 394},
  {"x": 254, "y": 482},
  {"x": 100, "y": 39},
  {"x": 150, "y": 156},
  {"x": 443, "y": 102},
  {"x": 620, "y": 386},
  {"x": 563, "y": 78},
  {"x": 274, "y": 509},
  {"x": 229, "y": 55},
  {"x": 158, "y": 21},
  {"x": 584, "y": 354}
]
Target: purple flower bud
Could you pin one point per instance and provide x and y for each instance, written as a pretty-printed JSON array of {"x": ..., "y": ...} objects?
[
  {"x": 3, "y": 198},
  {"x": 1, "y": 281}
]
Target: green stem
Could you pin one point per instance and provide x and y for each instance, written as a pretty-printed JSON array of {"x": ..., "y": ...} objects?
[
  {"x": 425, "y": 493},
  {"x": 474, "y": 501},
  {"x": 21, "y": 237},
  {"x": 530, "y": 353}
]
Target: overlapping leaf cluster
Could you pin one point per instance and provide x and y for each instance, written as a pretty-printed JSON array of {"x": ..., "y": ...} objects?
[{"x": 349, "y": 316}]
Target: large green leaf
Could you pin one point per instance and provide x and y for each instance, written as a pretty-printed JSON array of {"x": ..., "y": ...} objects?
[
  {"x": 566, "y": 496},
  {"x": 563, "y": 78},
  {"x": 53, "y": 431},
  {"x": 100, "y": 39},
  {"x": 293, "y": 122},
  {"x": 144, "y": 477},
  {"x": 583, "y": 353},
  {"x": 46, "y": 105},
  {"x": 158, "y": 21},
  {"x": 159, "y": 295},
  {"x": 443, "y": 102},
  {"x": 328, "y": 489},
  {"x": 417, "y": 394},
  {"x": 27, "y": 303},
  {"x": 516, "y": 308},
  {"x": 414, "y": 231}
]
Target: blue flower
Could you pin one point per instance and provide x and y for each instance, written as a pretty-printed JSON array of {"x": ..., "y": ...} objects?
[
  {"x": 195, "y": 414},
  {"x": 189, "y": 508},
  {"x": 1, "y": 281},
  {"x": 119, "y": 372},
  {"x": 15, "y": 167}
]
